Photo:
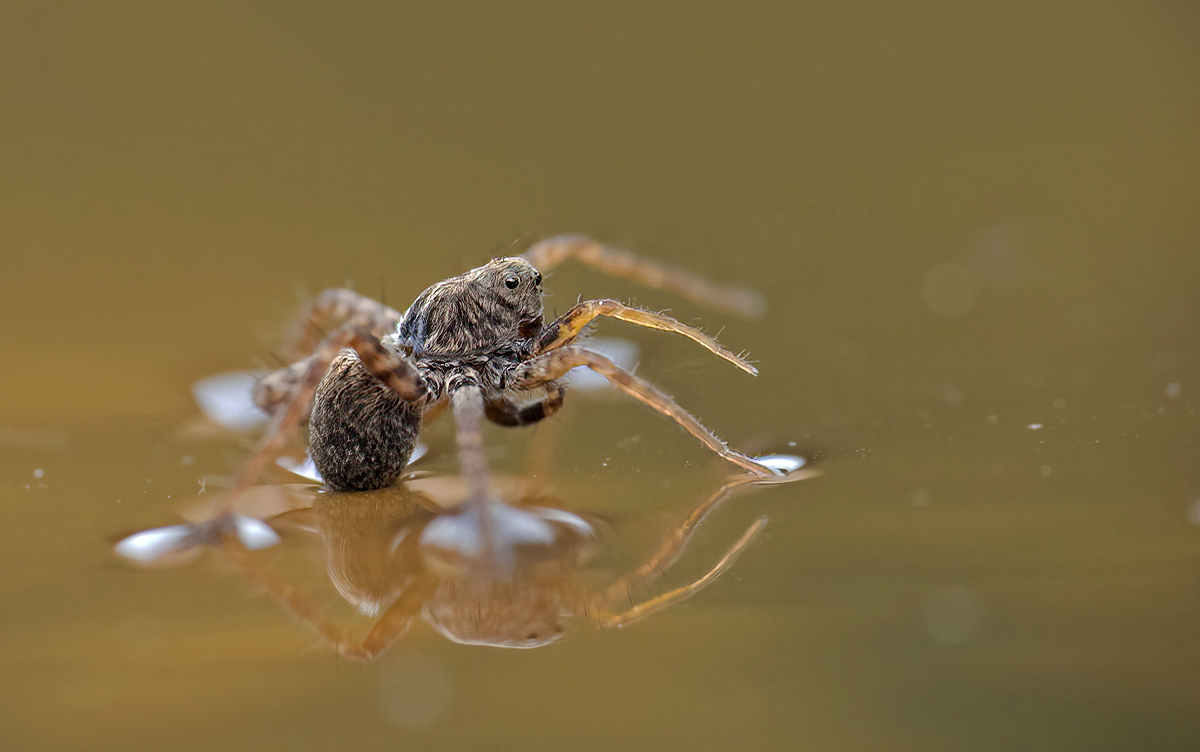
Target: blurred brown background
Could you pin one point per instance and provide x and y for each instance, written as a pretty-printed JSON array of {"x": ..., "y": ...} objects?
[{"x": 967, "y": 221}]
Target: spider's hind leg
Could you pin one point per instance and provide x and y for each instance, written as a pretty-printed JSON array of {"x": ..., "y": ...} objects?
[
  {"x": 338, "y": 307},
  {"x": 333, "y": 308}
]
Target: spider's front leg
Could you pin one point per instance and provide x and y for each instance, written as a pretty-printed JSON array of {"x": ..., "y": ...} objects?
[
  {"x": 551, "y": 252},
  {"x": 554, "y": 364},
  {"x": 566, "y": 328}
]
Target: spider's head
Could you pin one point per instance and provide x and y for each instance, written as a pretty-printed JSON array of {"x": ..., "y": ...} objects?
[
  {"x": 499, "y": 303},
  {"x": 510, "y": 287}
]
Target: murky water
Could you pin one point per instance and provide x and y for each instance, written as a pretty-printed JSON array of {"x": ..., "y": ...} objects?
[{"x": 977, "y": 233}]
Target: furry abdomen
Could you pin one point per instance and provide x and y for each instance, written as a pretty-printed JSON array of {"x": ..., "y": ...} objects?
[{"x": 361, "y": 433}]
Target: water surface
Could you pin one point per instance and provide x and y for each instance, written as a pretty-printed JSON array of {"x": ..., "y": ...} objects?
[{"x": 977, "y": 233}]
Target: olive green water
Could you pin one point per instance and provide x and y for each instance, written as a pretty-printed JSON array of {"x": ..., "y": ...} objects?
[{"x": 978, "y": 232}]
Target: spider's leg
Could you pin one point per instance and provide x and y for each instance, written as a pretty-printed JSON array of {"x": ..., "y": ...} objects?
[
  {"x": 505, "y": 409},
  {"x": 387, "y": 629},
  {"x": 277, "y": 387},
  {"x": 554, "y": 364},
  {"x": 330, "y": 310},
  {"x": 389, "y": 367},
  {"x": 563, "y": 330},
  {"x": 608, "y": 618},
  {"x": 467, "y": 404},
  {"x": 337, "y": 307},
  {"x": 548, "y": 253}
]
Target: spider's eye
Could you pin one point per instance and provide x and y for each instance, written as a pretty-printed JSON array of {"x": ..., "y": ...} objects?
[
  {"x": 511, "y": 281},
  {"x": 537, "y": 278}
]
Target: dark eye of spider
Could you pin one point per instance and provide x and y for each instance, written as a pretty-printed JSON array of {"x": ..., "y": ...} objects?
[
  {"x": 537, "y": 278},
  {"x": 511, "y": 282}
]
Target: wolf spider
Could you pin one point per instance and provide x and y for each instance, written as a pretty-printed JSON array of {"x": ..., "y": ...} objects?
[{"x": 477, "y": 343}]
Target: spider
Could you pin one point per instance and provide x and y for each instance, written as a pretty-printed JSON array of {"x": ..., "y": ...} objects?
[{"x": 477, "y": 342}]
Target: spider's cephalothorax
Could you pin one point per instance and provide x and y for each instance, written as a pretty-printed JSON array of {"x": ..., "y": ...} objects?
[
  {"x": 494, "y": 307},
  {"x": 474, "y": 330},
  {"x": 478, "y": 343}
]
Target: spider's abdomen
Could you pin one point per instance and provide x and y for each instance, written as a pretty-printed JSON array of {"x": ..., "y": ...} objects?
[{"x": 361, "y": 433}]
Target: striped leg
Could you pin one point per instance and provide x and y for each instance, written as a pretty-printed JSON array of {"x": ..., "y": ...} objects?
[{"x": 334, "y": 308}]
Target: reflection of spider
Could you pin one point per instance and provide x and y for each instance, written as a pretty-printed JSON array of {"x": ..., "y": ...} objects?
[
  {"x": 396, "y": 555},
  {"x": 477, "y": 342}
]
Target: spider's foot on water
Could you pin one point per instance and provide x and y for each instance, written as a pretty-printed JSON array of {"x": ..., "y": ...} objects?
[
  {"x": 179, "y": 544},
  {"x": 779, "y": 468},
  {"x": 782, "y": 464}
]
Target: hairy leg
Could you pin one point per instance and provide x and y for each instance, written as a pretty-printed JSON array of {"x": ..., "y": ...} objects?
[
  {"x": 550, "y": 252},
  {"x": 556, "y": 363},
  {"x": 334, "y": 308},
  {"x": 563, "y": 330}
]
